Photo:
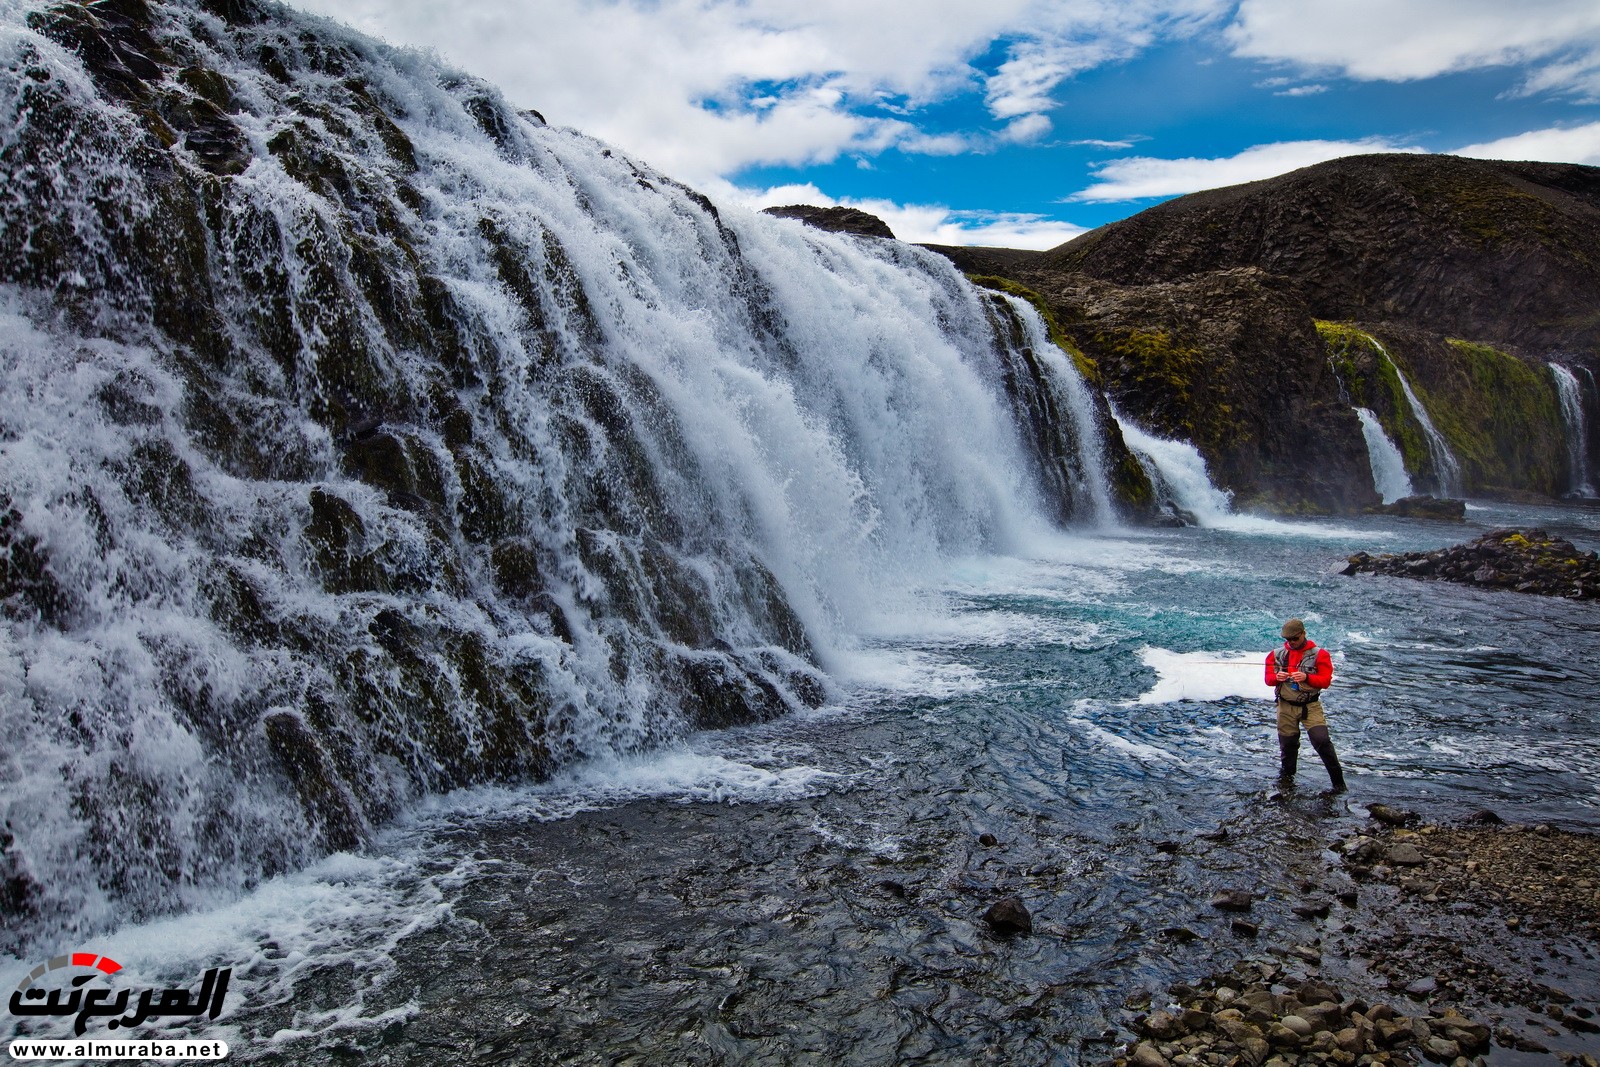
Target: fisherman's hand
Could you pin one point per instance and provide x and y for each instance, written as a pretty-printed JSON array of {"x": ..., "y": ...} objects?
[
  {"x": 1299, "y": 676},
  {"x": 1282, "y": 677}
]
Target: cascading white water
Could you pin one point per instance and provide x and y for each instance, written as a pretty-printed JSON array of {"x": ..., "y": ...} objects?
[
  {"x": 1389, "y": 475},
  {"x": 472, "y": 447},
  {"x": 1182, "y": 471},
  {"x": 1571, "y": 397},
  {"x": 1072, "y": 394},
  {"x": 1447, "y": 471}
]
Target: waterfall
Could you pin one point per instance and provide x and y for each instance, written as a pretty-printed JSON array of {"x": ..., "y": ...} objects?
[
  {"x": 1069, "y": 394},
  {"x": 1446, "y": 471},
  {"x": 362, "y": 437},
  {"x": 1572, "y": 413},
  {"x": 1180, "y": 471},
  {"x": 1389, "y": 475}
]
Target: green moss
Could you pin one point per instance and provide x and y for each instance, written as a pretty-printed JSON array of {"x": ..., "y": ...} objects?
[
  {"x": 1162, "y": 370},
  {"x": 1502, "y": 418},
  {"x": 1130, "y": 482}
]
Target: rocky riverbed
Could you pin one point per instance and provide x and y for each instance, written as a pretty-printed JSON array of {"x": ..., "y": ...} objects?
[
  {"x": 1465, "y": 944},
  {"x": 1526, "y": 561}
]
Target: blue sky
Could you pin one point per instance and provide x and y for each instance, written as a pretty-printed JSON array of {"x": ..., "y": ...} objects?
[{"x": 1023, "y": 122}]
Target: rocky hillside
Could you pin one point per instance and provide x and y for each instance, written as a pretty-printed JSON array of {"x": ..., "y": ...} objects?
[
  {"x": 1430, "y": 290},
  {"x": 1496, "y": 252}
]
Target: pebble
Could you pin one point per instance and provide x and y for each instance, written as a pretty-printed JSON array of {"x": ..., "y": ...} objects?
[{"x": 1233, "y": 900}]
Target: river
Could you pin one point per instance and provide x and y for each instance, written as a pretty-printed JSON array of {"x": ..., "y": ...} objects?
[{"x": 811, "y": 889}]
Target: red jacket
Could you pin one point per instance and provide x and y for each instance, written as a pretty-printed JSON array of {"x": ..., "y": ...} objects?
[{"x": 1319, "y": 676}]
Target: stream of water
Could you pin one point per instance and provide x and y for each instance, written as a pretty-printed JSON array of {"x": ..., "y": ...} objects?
[{"x": 812, "y": 887}]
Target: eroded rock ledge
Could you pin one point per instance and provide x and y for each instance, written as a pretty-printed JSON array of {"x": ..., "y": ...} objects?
[{"x": 1525, "y": 561}]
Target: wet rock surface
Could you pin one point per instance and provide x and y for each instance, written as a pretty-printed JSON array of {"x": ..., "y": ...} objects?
[{"x": 1525, "y": 561}]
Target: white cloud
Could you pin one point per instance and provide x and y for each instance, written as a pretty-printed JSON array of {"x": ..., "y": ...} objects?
[
  {"x": 1069, "y": 37},
  {"x": 1302, "y": 90},
  {"x": 1404, "y": 40},
  {"x": 702, "y": 88},
  {"x": 1572, "y": 144},
  {"x": 1025, "y": 128},
  {"x": 1139, "y": 177},
  {"x": 923, "y": 223}
]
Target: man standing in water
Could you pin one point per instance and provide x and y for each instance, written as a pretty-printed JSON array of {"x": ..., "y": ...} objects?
[{"x": 1299, "y": 672}]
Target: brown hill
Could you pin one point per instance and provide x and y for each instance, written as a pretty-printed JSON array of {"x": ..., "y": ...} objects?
[{"x": 1501, "y": 252}]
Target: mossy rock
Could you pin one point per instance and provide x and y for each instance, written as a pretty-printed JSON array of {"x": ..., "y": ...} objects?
[
  {"x": 1503, "y": 420},
  {"x": 719, "y": 692},
  {"x": 238, "y": 605},
  {"x": 1158, "y": 375},
  {"x": 161, "y": 482},
  {"x": 338, "y": 540},
  {"x": 1086, "y": 365},
  {"x": 1368, "y": 373}
]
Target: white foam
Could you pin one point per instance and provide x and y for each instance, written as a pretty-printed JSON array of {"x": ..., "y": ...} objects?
[
  {"x": 1203, "y": 675},
  {"x": 905, "y": 672},
  {"x": 344, "y": 911},
  {"x": 1137, "y": 749},
  {"x": 687, "y": 773}
]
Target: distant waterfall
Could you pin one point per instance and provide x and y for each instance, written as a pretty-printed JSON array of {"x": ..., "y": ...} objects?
[
  {"x": 1389, "y": 475},
  {"x": 1179, "y": 470},
  {"x": 1572, "y": 413},
  {"x": 1446, "y": 471},
  {"x": 1072, "y": 396}
]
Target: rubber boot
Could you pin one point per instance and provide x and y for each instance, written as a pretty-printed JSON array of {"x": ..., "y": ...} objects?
[
  {"x": 1324, "y": 746},
  {"x": 1288, "y": 758}
]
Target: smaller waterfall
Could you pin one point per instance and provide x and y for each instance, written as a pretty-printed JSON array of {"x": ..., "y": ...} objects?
[
  {"x": 1446, "y": 471},
  {"x": 1072, "y": 394},
  {"x": 1572, "y": 414},
  {"x": 1389, "y": 475},
  {"x": 1180, "y": 470}
]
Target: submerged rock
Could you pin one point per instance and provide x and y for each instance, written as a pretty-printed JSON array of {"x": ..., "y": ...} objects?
[
  {"x": 1233, "y": 900},
  {"x": 1424, "y": 507}
]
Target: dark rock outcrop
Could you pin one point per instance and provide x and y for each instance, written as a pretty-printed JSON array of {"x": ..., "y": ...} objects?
[
  {"x": 1232, "y": 362},
  {"x": 1425, "y": 507},
  {"x": 1201, "y": 312},
  {"x": 835, "y": 219},
  {"x": 1528, "y": 561},
  {"x": 1045, "y": 417}
]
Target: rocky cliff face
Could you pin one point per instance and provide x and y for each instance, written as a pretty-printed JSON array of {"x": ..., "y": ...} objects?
[
  {"x": 1252, "y": 320},
  {"x": 1229, "y": 360}
]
